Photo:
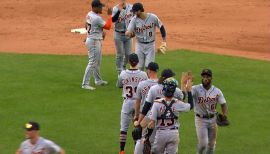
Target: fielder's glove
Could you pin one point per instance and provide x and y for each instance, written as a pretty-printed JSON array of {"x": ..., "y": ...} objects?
[
  {"x": 137, "y": 133},
  {"x": 162, "y": 48},
  {"x": 147, "y": 146},
  {"x": 222, "y": 120}
]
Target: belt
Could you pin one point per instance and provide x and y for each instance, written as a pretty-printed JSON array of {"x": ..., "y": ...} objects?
[
  {"x": 209, "y": 116},
  {"x": 174, "y": 128},
  {"x": 123, "y": 32},
  {"x": 129, "y": 98},
  {"x": 147, "y": 42}
]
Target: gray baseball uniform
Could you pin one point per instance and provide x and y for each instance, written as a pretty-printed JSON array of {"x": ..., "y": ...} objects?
[
  {"x": 129, "y": 80},
  {"x": 141, "y": 94},
  {"x": 145, "y": 31},
  {"x": 205, "y": 102},
  {"x": 155, "y": 92},
  {"x": 123, "y": 44},
  {"x": 165, "y": 114},
  {"x": 143, "y": 89},
  {"x": 43, "y": 146},
  {"x": 93, "y": 44}
]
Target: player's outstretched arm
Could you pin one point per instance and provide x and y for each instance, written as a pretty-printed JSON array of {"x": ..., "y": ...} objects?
[
  {"x": 129, "y": 34},
  {"x": 117, "y": 14},
  {"x": 189, "y": 89},
  {"x": 131, "y": 28},
  {"x": 108, "y": 23},
  {"x": 146, "y": 108}
]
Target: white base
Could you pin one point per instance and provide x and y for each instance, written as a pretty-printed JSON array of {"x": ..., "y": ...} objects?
[{"x": 79, "y": 30}]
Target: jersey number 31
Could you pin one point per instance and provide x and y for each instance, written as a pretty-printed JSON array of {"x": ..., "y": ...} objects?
[{"x": 130, "y": 91}]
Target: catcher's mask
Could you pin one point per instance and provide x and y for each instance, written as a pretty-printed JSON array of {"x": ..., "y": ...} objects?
[{"x": 169, "y": 86}]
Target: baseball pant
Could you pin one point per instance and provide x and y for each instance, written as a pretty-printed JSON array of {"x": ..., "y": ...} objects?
[
  {"x": 166, "y": 139},
  {"x": 127, "y": 113},
  {"x": 139, "y": 143},
  {"x": 206, "y": 133},
  {"x": 146, "y": 53},
  {"x": 123, "y": 46},
  {"x": 94, "y": 60}
]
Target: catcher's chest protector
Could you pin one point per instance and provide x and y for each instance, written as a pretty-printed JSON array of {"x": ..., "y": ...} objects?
[{"x": 168, "y": 113}]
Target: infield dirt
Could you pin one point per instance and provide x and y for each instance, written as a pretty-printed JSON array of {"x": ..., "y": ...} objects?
[{"x": 231, "y": 27}]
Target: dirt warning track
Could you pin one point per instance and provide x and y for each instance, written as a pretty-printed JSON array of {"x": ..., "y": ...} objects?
[{"x": 231, "y": 27}]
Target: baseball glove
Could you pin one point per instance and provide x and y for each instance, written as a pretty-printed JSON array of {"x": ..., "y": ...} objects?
[
  {"x": 186, "y": 79},
  {"x": 222, "y": 120},
  {"x": 137, "y": 133},
  {"x": 147, "y": 146},
  {"x": 163, "y": 48}
]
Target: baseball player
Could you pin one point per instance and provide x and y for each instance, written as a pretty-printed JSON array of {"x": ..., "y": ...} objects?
[
  {"x": 121, "y": 17},
  {"x": 36, "y": 144},
  {"x": 144, "y": 87},
  {"x": 94, "y": 26},
  {"x": 129, "y": 80},
  {"x": 144, "y": 26},
  {"x": 141, "y": 93},
  {"x": 164, "y": 116},
  {"x": 155, "y": 92},
  {"x": 206, "y": 97}
]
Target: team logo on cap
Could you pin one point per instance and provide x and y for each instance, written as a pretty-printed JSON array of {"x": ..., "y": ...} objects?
[{"x": 28, "y": 126}]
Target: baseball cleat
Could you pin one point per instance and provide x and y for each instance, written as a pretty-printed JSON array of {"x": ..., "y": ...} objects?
[
  {"x": 88, "y": 87},
  {"x": 122, "y": 152},
  {"x": 101, "y": 83}
]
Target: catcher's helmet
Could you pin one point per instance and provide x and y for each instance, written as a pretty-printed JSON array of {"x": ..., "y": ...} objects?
[{"x": 169, "y": 87}]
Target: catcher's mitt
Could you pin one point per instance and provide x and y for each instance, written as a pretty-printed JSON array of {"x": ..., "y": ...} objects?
[
  {"x": 137, "y": 133},
  {"x": 163, "y": 48},
  {"x": 147, "y": 146},
  {"x": 222, "y": 120}
]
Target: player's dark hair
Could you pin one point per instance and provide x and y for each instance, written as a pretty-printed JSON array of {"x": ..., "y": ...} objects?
[
  {"x": 161, "y": 79},
  {"x": 133, "y": 64}
]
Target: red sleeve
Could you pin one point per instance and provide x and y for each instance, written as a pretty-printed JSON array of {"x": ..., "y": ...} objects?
[{"x": 108, "y": 23}]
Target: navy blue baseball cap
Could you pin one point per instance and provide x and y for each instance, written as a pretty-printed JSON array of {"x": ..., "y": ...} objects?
[
  {"x": 137, "y": 7},
  {"x": 97, "y": 3},
  {"x": 133, "y": 58},
  {"x": 167, "y": 73},
  {"x": 153, "y": 66},
  {"x": 31, "y": 125},
  {"x": 207, "y": 72}
]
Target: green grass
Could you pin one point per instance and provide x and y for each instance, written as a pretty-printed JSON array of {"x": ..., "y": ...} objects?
[{"x": 46, "y": 88}]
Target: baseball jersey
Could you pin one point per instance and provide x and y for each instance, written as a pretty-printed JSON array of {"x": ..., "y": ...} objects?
[
  {"x": 158, "y": 109},
  {"x": 145, "y": 30},
  {"x": 124, "y": 18},
  {"x": 43, "y": 146},
  {"x": 205, "y": 101},
  {"x": 156, "y": 92},
  {"x": 129, "y": 80},
  {"x": 143, "y": 89},
  {"x": 95, "y": 25}
]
